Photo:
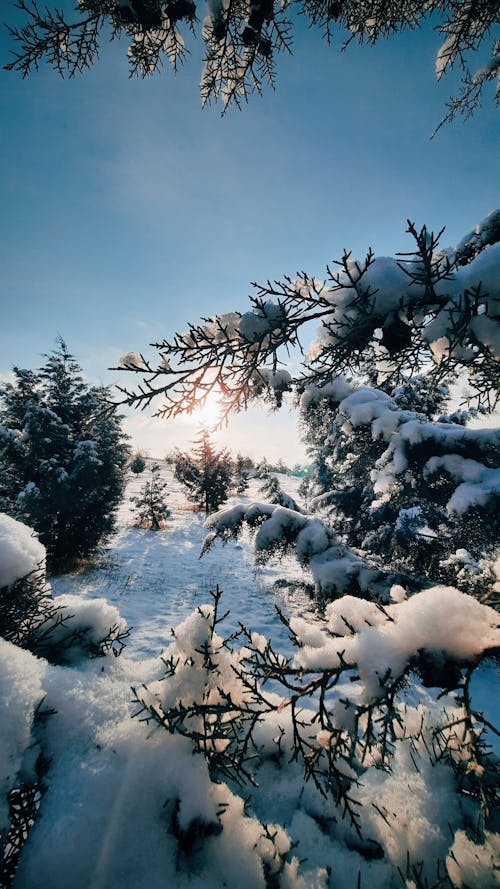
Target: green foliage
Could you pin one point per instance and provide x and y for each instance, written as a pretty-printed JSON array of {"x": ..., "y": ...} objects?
[
  {"x": 241, "y": 468},
  {"x": 25, "y": 606},
  {"x": 446, "y": 300},
  {"x": 205, "y": 473},
  {"x": 32, "y": 619},
  {"x": 150, "y": 506},
  {"x": 411, "y": 531},
  {"x": 403, "y": 328},
  {"x": 62, "y": 458},
  {"x": 137, "y": 464}
]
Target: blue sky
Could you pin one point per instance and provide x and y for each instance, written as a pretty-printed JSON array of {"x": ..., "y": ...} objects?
[{"x": 127, "y": 210}]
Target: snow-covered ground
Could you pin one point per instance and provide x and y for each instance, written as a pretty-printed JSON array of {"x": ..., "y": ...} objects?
[
  {"x": 157, "y": 578},
  {"x": 127, "y": 804}
]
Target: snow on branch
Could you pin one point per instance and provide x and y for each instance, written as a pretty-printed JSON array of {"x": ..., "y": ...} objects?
[
  {"x": 345, "y": 722},
  {"x": 388, "y": 317},
  {"x": 421, "y": 494},
  {"x": 335, "y": 568},
  {"x": 407, "y": 433},
  {"x": 21, "y": 552},
  {"x": 242, "y": 39}
]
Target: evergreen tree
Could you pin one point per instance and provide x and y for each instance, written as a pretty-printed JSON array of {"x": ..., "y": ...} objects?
[
  {"x": 405, "y": 486},
  {"x": 274, "y": 493},
  {"x": 62, "y": 457},
  {"x": 137, "y": 464},
  {"x": 262, "y": 469},
  {"x": 150, "y": 507},
  {"x": 242, "y": 39},
  {"x": 403, "y": 515},
  {"x": 205, "y": 473},
  {"x": 241, "y": 468},
  {"x": 270, "y": 487}
]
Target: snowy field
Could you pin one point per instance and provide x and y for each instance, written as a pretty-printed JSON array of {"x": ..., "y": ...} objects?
[
  {"x": 126, "y": 803},
  {"x": 157, "y": 578}
]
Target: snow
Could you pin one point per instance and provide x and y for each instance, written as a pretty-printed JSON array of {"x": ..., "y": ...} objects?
[
  {"x": 389, "y": 287},
  {"x": 92, "y": 620},
  {"x": 21, "y": 691},
  {"x": 480, "y": 235},
  {"x": 338, "y": 389},
  {"x": 21, "y": 552},
  {"x": 278, "y": 380},
  {"x": 156, "y": 579},
  {"x": 256, "y": 324},
  {"x": 474, "y": 866},
  {"x": 477, "y": 484},
  {"x": 132, "y": 360},
  {"x": 129, "y": 804},
  {"x": 444, "y": 622}
]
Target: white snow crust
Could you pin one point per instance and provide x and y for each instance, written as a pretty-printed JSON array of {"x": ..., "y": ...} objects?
[{"x": 21, "y": 552}]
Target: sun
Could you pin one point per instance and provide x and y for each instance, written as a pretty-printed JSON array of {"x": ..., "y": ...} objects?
[{"x": 208, "y": 414}]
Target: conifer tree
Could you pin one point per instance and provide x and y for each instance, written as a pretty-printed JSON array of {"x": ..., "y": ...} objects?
[
  {"x": 137, "y": 464},
  {"x": 262, "y": 469},
  {"x": 62, "y": 457},
  {"x": 270, "y": 487},
  {"x": 241, "y": 468},
  {"x": 274, "y": 493},
  {"x": 150, "y": 506},
  {"x": 404, "y": 513},
  {"x": 205, "y": 473}
]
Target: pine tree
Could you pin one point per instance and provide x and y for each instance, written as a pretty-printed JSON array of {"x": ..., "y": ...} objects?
[
  {"x": 137, "y": 464},
  {"x": 241, "y": 468},
  {"x": 270, "y": 488},
  {"x": 274, "y": 493},
  {"x": 262, "y": 469},
  {"x": 62, "y": 458},
  {"x": 393, "y": 499},
  {"x": 150, "y": 506},
  {"x": 205, "y": 473}
]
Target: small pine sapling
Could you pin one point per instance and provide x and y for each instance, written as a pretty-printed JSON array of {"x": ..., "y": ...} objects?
[
  {"x": 274, "y": 493},
  {"x": 137, "y": 464},
  {"x": 151, "y": 509},
  {"x": 205, "y": 473},
  {"x": 241, "y": 468}
]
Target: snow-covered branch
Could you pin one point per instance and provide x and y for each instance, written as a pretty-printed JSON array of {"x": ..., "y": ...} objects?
[
  {"x": 387, "y": 318},
  {"x": 242, "y": 39},
  {"x": 348, "y": 712}
]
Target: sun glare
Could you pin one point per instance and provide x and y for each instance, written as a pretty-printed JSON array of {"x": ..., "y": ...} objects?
[{"x": 207, "y": 415}]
